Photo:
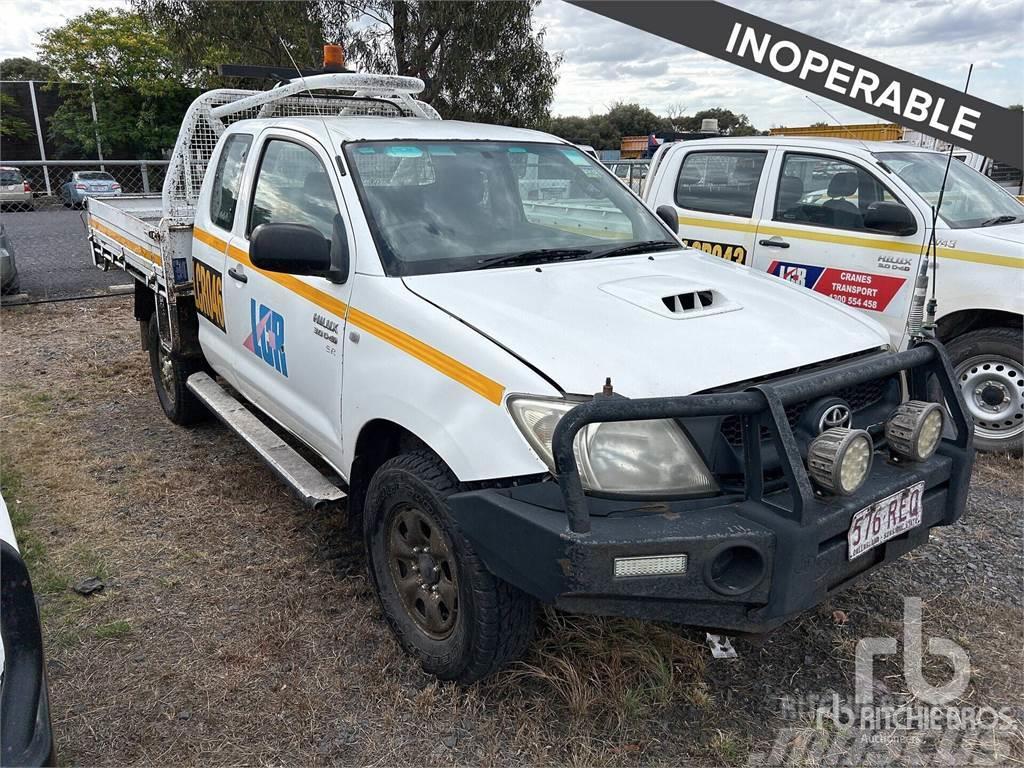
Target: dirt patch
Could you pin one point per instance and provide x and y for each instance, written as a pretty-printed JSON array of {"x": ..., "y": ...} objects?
[{"x": 236, "y": 626}]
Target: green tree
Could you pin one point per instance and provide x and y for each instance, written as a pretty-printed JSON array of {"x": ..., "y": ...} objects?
[
  {"x": 481, "y": 60},
  {"x": 24, "y": 68},
  {"x": 12, "y": 126},
  {"x": 121, "y": 60},
  {"x": 205, "y": 33}
]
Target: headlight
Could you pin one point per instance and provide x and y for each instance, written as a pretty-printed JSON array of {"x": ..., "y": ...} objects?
[
  {"x": 839, "y": 459},
  {"x": 635, "y": 457},
  {"x": 914, "y": 429}
]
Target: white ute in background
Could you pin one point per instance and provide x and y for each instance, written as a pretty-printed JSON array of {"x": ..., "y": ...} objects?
[
  {"x": 850, "y": 220},
  {"x": 430, "y": 306}
]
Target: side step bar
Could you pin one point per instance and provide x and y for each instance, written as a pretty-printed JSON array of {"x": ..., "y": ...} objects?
[{"x": 305, "y": 480}]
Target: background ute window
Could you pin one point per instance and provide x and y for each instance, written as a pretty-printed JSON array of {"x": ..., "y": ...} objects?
[{"x": 720, "y": 182}]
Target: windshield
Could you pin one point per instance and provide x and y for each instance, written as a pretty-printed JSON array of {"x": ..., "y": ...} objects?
[
  {"x": 446, "y": 206},
  {"x": 94, "y": 176},
  {"x": 970, "y": 199},
  {"x": 10, "y": 177}
]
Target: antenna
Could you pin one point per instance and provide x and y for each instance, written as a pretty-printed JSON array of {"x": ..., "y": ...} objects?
[
  {"x": 926, "y": 329},
  {"x": 302, "y": 79},
  {"x": 829, "y": 114}
]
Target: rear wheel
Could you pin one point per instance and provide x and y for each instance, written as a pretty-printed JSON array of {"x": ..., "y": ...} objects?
[
  {"x": 170, "y": 375},
  {"x": 446, "y": 609},
  {"x": 990, "y": 371}
]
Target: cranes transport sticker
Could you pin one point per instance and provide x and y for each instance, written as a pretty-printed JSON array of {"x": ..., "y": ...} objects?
[{"x": 862, "y": 290}]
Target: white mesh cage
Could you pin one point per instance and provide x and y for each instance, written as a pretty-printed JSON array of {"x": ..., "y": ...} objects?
[{"x": 330, "y": 95}]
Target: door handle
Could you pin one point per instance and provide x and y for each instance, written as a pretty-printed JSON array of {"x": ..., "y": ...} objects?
[
  {"x": 774, "y": 243},
  {"x": 239, "y": 276}
]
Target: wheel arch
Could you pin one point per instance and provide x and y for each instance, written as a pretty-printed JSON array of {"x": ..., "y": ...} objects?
[
  {"x": 379, "y": 440},
  {"x": 960, "y": 322}
]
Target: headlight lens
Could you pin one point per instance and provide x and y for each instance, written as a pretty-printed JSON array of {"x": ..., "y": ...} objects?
[
  {"x": 914, "y": 429},
  {"x": 635, "y": 457}
]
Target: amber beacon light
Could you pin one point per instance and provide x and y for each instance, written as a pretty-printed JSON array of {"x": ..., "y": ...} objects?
[{"x": 334, "y": 57}]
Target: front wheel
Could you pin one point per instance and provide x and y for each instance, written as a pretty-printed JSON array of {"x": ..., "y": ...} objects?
[
  {"x": 990, "y": 371},
  {"x": 170, "y": 375},
  {"x": 446, "y": 609}
]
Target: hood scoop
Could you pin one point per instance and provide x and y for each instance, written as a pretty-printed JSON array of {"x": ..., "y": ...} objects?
[{"x": 670, "y": 296}]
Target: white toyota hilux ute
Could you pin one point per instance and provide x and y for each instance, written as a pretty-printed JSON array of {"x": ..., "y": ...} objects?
[
  {"x": 850, "y": 220},
  {"x": 527, "y": 391}
]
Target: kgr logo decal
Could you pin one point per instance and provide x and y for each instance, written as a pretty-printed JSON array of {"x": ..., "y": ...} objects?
[
  {"x": 267, "y": 337},
  {"x": 862, "y": 290},
  {"x": 725, "y": 251},
  {"x": 209, "y": 294}
]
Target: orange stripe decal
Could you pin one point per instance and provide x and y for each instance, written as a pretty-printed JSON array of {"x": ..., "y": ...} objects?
[
  {"x": 435, "y": 358},
  {"x": 131, "y": 245}
]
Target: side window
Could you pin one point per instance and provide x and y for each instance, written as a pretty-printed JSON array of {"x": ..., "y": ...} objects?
[
  {"x": 826, "y": 192},
  {"x": 720, "y": 182},
  {"x": 224, "y": 195},
  {"x": 292, "y": 187}
]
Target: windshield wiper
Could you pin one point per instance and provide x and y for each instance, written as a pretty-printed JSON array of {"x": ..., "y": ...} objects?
[
  {"x": 539, "y": 254},
  {"x": 1004, "y": 219},
  {"x": 640, "y": 247}
]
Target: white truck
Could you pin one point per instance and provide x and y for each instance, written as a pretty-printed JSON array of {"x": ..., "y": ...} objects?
[
  {"x": 851, "y": 220},
  {"x": 521, "y": 406}
]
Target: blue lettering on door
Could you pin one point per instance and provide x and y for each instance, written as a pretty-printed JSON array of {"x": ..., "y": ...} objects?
[{"x": 267, "y": 337}]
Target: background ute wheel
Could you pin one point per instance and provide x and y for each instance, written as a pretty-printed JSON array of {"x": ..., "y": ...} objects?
[
  {"x": 989, "y": 367},
  {"x": 446, "y": 609},
  {"x": 169, "y": 377}
]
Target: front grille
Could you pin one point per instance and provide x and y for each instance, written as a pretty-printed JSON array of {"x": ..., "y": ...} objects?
[{"x": 859, "y": 396}]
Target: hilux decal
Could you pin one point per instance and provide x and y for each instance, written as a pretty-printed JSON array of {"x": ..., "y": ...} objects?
[
  {"x": 267, "y": 338},
  {"x": 862, "y": 290}
]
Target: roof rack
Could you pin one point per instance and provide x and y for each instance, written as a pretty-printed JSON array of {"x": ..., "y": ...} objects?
[{"x": 331, "y": 94}]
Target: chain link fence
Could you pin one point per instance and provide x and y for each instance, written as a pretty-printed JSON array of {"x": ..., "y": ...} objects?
[{"x": 48, "y": 180}]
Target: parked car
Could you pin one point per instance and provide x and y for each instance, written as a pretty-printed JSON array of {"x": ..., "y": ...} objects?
[
  {"x": 851, "y": 220},
  {"x": 523, "y": 398},
  {"x": 8, "y": 266},
  {"x": 85, "y": 184},
  {"x": 26, "y": 735},
  {"x": 15, "y": 191}
]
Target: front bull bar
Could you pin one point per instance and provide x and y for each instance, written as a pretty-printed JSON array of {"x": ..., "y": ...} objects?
[{"x": 763, "y": 407}]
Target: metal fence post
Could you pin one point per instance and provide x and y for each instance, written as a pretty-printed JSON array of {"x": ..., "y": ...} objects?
[
  {"x": 39, "y": 135},
  {"x": 145, "y": 179}
]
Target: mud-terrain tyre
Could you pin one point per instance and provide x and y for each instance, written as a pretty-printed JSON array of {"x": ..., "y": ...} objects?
[
  {"x": 419, "y": 562},
  {"x": 989, "y": 367},
  {"x": 169, "y": 377}
]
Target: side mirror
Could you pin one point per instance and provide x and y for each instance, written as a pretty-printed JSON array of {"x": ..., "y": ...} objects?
[
  {"x": 890, "y": 218},
  {"x": 668, "y": 214},
  {"x": 295, "y": 249}
]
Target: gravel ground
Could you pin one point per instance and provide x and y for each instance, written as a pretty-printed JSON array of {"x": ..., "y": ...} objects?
[
  {"x": 53, "y": 255},
  {"x": 238, "y": 627}
]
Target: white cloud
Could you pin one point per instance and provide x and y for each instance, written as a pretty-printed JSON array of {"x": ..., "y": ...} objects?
[
  {"x": 936, "y": 39},
  {"x": 24, "y": 20}
]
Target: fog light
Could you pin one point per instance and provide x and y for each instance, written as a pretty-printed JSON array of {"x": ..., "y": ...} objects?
[
  {"x": 652, "y": 565},
  {"x": 839, "y": 459},
  {"x": 914, "y": 429}
]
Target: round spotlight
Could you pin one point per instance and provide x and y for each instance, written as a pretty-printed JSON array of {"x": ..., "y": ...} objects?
[
  {"x": 839, "y": 459},
  {"x": 914, "y": 429}
]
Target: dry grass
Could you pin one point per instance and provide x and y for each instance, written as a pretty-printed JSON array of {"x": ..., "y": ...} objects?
[{"x": 238, "y": 627}]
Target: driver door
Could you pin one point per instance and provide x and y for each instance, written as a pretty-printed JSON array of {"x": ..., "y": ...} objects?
[
  {"x": 812, "y": 233},
  {"x": 288, "y": 328}
]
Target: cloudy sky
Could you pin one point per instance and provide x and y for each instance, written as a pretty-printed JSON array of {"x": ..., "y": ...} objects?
[{"x": 605, "y": 61}]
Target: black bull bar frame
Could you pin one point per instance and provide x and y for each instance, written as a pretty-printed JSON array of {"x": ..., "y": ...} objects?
[{"x": 763, "y": 406}]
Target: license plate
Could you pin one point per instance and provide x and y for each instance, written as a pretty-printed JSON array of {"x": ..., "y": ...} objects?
[{"x": 884, "y": 520}]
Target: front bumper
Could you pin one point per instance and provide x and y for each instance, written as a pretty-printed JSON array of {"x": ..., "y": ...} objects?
[
  {"x": 26, "y": 735},
  {"x": 755, "y": 557}
]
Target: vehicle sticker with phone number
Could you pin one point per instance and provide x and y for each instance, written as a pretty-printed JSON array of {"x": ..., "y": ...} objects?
[
  {"x": 727, "y": 251},
  {"x": 861, "y": 290}
]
